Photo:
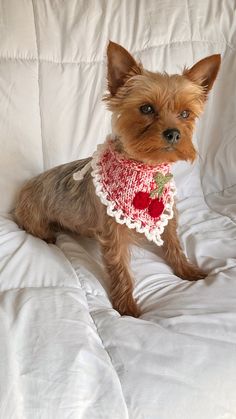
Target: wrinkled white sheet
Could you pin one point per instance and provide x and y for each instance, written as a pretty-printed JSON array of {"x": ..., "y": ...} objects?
[{"x": 64, "y": 352}]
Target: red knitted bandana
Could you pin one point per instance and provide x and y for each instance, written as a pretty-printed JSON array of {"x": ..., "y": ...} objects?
[{"x": 135, "y": 194}]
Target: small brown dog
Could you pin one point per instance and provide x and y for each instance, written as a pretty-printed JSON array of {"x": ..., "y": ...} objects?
[{"x": 153, "y": 120}]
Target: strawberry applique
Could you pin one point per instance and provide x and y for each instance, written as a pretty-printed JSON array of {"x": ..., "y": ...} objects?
[
  {"x": 141, "y": 200},
  {"x": 153, "y": 201},
  {"x": 156, "y": 208}
]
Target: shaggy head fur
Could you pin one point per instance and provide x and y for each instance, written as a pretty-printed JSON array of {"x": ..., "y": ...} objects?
[{"x": 154, "y": 113}]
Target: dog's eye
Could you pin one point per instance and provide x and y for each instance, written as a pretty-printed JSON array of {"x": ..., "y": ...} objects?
[
  {"x": 146, "y": 109},
  {"x": 184, "y": 114}
]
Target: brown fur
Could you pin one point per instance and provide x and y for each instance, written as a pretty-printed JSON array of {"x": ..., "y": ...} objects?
[{"x": 53, "y": 200}]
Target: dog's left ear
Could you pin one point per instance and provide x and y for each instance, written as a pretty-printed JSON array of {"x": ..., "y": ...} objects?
[
  {"x": 204, "y": 72},
  {"x": 121, "y": 65}
]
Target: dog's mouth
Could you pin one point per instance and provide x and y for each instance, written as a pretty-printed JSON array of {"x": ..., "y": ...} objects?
[
  {"x": 168, "y": 148},
  {"x": 171, "y": 153}
]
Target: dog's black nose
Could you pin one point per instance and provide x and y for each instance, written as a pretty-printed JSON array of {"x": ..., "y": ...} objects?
[{"x": 172, "y": 135}]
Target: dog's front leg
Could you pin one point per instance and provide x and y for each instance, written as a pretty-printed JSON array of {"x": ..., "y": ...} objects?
[
  {"x": 175, "y": 256},
  {"x": 114, "y": 242}
]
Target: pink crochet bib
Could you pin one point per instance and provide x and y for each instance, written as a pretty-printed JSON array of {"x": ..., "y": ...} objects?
[{"x": 135, "y": 194}]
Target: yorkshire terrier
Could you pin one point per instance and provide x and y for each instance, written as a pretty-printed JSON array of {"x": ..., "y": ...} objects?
[{"x": 126, "y": 190}]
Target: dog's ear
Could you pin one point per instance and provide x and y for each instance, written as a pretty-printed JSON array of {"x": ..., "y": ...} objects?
[
  {"x": 204, "y": 72},
  {"x": 121, "y": 66}
]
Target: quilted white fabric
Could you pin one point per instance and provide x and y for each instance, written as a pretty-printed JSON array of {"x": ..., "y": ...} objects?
[{"x": 64, "y": 352}]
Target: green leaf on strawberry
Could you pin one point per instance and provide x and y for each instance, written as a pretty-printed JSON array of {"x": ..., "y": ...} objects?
[{"x": 161, "y": 180}]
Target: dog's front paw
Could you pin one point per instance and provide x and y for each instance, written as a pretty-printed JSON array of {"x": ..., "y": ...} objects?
[
  {"x": 191, "y": 273},
  {"x": 129, "y": 308}
]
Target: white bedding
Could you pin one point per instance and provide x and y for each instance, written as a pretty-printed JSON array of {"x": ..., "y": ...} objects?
[{"x": 64, "y": 352}]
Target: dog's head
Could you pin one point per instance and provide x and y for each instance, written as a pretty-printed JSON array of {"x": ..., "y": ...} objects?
[{"x": 154, "y": 113}]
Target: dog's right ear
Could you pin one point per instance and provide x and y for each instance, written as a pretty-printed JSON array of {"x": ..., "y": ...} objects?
[{"x": 121, "y": 66}]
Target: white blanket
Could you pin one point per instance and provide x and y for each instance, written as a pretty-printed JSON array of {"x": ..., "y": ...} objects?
[{"x": 64, "y": 352}]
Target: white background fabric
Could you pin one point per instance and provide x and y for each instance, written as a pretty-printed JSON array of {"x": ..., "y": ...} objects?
[{"x": 64, "y": 352}]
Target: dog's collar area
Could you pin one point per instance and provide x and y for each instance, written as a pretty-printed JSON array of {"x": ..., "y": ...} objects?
[
  {"x": 136, "y": 194},
  {"x": 112, "y": 143}
]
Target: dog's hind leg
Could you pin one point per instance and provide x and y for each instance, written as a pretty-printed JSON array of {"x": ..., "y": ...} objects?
[{"x": 29, "y": 217}]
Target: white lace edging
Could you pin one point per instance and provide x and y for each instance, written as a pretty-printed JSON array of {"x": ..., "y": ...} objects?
[{"x": 155, "y": 234}]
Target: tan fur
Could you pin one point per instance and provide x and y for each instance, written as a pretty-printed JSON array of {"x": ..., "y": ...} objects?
[
  {"x": 53, "y": 201},
  {"x": 174, "y": 255}
]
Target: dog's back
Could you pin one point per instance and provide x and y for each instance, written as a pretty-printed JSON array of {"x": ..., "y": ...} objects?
[{"x": 53, "y": 200}]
